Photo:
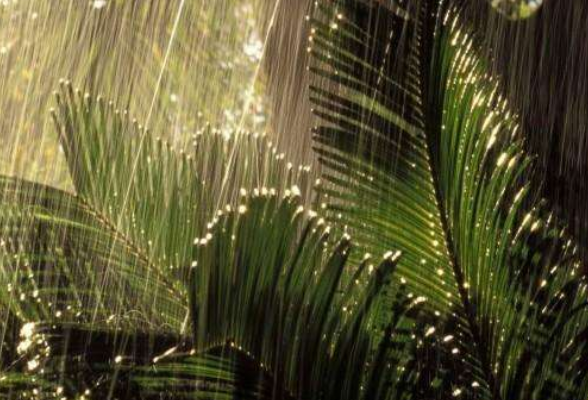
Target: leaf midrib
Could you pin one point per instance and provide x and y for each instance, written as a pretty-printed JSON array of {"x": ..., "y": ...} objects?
[{"x": 431, "y": 126}]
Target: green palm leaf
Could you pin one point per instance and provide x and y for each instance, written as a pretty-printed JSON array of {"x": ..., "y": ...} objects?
[
  {"x": 115, "y": 257},
  {"x": 424, "y": 155},
  {"x": 270, "y": 316},
  {"x": 63, "y": 263},
  {"x": 162, "y": 198},
  {"x": 268, "y": 282},
  {"x": 59, "y": 258},
  {"x": 224, "y": 374},
  {"x": 421, "y": 155}
]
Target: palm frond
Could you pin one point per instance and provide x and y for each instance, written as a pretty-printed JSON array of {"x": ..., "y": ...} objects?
[
  {"x": 162, "y": 198},
  {"x": 424, "y": 155},
  {"x": 62, "y": 260},
  {"x": 19, "y": 386},
  {"x": 268, "y": 282},
  {"x": 115, "y": 257},
  {"x": 63, "y": 359},
  {"x": 271, "y": 319}
]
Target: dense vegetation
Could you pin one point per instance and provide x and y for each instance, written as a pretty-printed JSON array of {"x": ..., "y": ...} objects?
[{"x": 417, "y": 260}]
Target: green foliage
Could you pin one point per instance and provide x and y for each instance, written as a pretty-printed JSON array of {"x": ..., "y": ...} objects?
[
  {"x": 116, "y": 256},
  {"x": 267, "y": 281},
  {"x": 161, "y": 198},
  {"x": 422, "y": 154},
  {"x": 204, "y": 273},
  {"x": 109, "y": 267},
  {"x": 60, "y": 257}
]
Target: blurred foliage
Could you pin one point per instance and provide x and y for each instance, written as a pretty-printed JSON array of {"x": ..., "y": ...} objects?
[{"x": 181, "y": 62}]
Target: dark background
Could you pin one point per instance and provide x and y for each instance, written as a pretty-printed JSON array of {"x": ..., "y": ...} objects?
[{"x": 543, "y": 62}]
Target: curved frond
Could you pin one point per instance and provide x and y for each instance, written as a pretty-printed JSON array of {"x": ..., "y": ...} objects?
[
  {"x": 268, "y": 282},
  {"x": 115, "y": 257},
  {"x": 62, "y": 260},
  {"x": 424, "y": 155},
  {"x": 161, "y": 197}
]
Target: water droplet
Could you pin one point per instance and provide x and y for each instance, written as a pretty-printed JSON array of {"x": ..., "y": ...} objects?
[
  {"x": 32, "y": 364},
  {"x": 253, "y": 48},
  {"x": 503, "y": 157},
  {"x": 516, "y": 9},
  {"x": 99, "y": 4}
]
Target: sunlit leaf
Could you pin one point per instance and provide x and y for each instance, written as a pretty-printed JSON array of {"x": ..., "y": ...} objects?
[{"x": 423, "y": 154}]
